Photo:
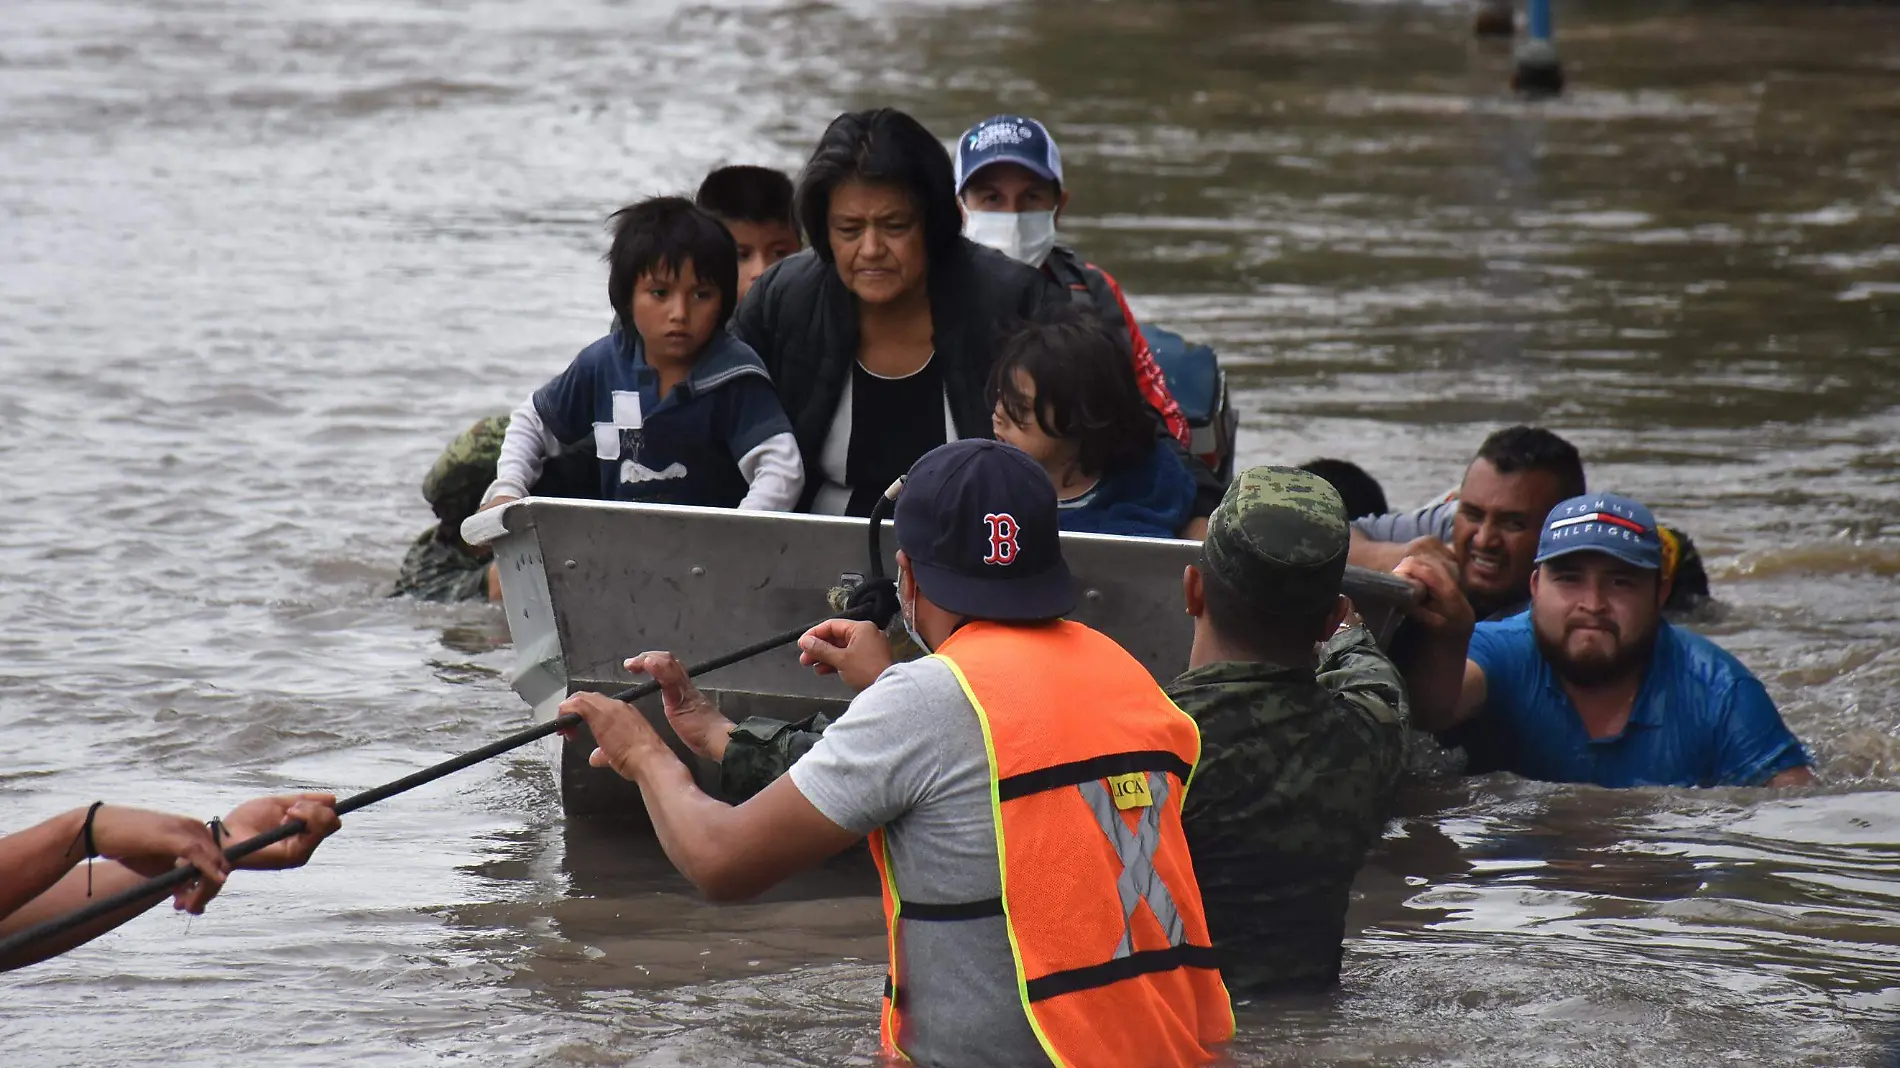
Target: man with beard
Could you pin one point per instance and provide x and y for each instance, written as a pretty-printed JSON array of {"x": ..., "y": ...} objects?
[
  {"x": 1488, "y": 527},
  {"x": 1592, "y": 684}
]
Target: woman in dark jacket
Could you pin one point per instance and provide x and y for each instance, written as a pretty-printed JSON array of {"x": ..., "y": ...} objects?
[{"x": 879, "y": 337}]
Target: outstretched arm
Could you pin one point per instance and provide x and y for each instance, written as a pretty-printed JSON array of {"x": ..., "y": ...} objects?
[
  {"x": 1446, "y": 688},
  {"x": 145, "y": 845},
  {"x": 37, "y": 858}
]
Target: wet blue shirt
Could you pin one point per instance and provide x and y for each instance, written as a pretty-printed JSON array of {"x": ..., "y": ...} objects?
[
  {"x": 684, "y": 448},
  {"x": 1701, "y": 719}
]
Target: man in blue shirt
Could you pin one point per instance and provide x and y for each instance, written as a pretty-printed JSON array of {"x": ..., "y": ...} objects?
[{"x": 1592, "y": 684}]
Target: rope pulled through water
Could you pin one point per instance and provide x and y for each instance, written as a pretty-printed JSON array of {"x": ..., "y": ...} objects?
[{"x": 164, "y": 884}]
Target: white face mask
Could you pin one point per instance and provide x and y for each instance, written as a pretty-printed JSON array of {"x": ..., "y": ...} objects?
[
  {"x": 1023, "y": 236},
  {"x": 907, "y": 611}
]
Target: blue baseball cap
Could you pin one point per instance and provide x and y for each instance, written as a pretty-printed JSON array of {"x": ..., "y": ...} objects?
[
  {"x": 1007, "y": 139},
  {"x": 1602, "y": 523},
  {"x": 977, "y": 518}
]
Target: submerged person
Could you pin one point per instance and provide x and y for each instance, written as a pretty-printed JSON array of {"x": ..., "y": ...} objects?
[
  {"x": 42, "y": 884},
  {"x": 1301, "y": 745},
  {"x": 1065, "y": 395},
  {"x": 1021, "y": 787},
  {"x": 439, "y": 565},
  {"x": 1490, "y": 525},
  {"x": 1592, "y": 684},
  {"x": 879, "y": 337},
  {"x": 1362, "y": 494},
  {"x": 675, "y": 410},
  {"x": 755, "y": 204}
]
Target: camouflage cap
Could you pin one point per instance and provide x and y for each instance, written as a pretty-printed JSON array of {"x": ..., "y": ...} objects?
[
  {"x": 1279, "y": 538},
  {"x": 454, "y": 486}
]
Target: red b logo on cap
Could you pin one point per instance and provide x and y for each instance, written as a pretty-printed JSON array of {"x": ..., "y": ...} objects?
[{"x": 1002, "y": 538}]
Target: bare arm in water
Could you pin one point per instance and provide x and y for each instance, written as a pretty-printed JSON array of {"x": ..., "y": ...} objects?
[{"x": 43, "y": 883}]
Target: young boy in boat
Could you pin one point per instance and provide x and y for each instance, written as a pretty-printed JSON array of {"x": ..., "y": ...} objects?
[
  {"x": 677, "y": 410},
  {"x": 1064, "y": 393},
  {"x": 755, "y": 204}
]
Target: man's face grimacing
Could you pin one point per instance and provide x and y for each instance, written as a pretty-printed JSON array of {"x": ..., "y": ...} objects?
[
  {"x": 1012, "y": 188},
  {"x": 1494, "y": 533},
  {"x": 1595, "y": 616}
]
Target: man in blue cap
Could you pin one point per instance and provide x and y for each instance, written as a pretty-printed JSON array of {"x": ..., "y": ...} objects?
[
  {"x": 1009, "y": 182},
  {"x": 1591, "y": 684},
  {"x": 1024, "y": 738}
]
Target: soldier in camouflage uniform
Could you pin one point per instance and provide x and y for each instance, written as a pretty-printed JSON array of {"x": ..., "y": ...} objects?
[
  {"x": 1302, "y": 741},
  {"x": 441, "y": 566},
  {"x": 1299, "y": 752}
]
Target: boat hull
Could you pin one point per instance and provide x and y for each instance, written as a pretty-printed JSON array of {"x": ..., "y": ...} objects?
[{"x": 589, "y": 583}]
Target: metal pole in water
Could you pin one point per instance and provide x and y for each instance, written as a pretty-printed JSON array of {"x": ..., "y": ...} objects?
[{"x": 1538, "y": 72}]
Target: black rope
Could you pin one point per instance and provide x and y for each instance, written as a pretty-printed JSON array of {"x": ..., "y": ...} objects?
[{"x": 185, "y": 873}]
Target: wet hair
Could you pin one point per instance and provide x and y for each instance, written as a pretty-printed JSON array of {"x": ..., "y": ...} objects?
[
  {"x": 750, "y": 194},
  {"x": 1532, "y": 448},
  {"x": 882, "y": 147},
  {"x": 1085, "y": 389},
  {"x": 658, "y": 236},
  {"x": 1361, "y": 492},
  {"x": 1267, "y": 635}
]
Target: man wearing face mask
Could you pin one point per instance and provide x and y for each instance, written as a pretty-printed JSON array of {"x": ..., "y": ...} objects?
[
  {"x": 1021, "y": 788},
  {"x": 1009, "y": 182}
]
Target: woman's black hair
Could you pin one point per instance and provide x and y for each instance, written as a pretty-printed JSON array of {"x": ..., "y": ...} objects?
[
  {"x": 657, "y": 236},
  {"x": 1085, "y": 389},
  {"x": 883, "y": 147}
]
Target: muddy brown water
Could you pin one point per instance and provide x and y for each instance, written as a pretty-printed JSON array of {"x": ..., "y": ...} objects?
[{"x": 261, "y": 260}]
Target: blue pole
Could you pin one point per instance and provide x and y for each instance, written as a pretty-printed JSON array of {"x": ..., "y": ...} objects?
[
  {"x": 1539, "y": 74},
  {"x": 1537, "y": 14}
]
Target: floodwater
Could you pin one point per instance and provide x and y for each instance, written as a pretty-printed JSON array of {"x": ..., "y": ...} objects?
[{"x": 261, "y": 260}]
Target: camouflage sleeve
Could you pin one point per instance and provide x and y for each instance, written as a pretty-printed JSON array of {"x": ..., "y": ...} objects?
[
  {"x": 760, "y": 750},
  {"x": 1354, "y": 668}
]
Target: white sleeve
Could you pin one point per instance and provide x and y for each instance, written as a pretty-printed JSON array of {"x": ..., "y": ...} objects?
[
  {"x": 524, "y": 449},
  {"x": 774, "y": 472}
]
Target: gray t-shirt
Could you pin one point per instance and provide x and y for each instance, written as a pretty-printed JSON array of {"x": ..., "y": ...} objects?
[
  {"x": 908, "y": 756},
  {"x": 1433, "y": 519}
]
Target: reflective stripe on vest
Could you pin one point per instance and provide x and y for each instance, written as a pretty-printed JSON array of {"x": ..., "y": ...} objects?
[{"x": 1089, "y": 764}]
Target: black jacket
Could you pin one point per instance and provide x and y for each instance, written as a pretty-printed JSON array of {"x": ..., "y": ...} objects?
[{"x": 803, "y": 323}]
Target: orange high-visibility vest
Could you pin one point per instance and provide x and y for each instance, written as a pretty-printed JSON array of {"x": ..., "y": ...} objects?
[{"x": 1089, "y": 764}]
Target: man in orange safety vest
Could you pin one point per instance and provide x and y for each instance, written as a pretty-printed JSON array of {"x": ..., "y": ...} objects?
[{"x": 1021, "y": 789}]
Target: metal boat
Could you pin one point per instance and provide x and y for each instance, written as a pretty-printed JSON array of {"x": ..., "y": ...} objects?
[{"x": 589, "y": 583}]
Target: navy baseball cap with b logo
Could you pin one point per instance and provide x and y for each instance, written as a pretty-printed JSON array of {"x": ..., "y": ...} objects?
[
  {"x": 977, "y": 518},
  {"x": 1008, "y": 139}
]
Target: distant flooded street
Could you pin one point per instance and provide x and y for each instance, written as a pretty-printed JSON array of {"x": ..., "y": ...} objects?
[{"x": 263, "y": 261}]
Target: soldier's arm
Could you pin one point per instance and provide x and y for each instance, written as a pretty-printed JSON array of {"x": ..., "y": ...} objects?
[
  {"x": 1353, "y": 666},
  {"x": 760, "y": 749}
]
